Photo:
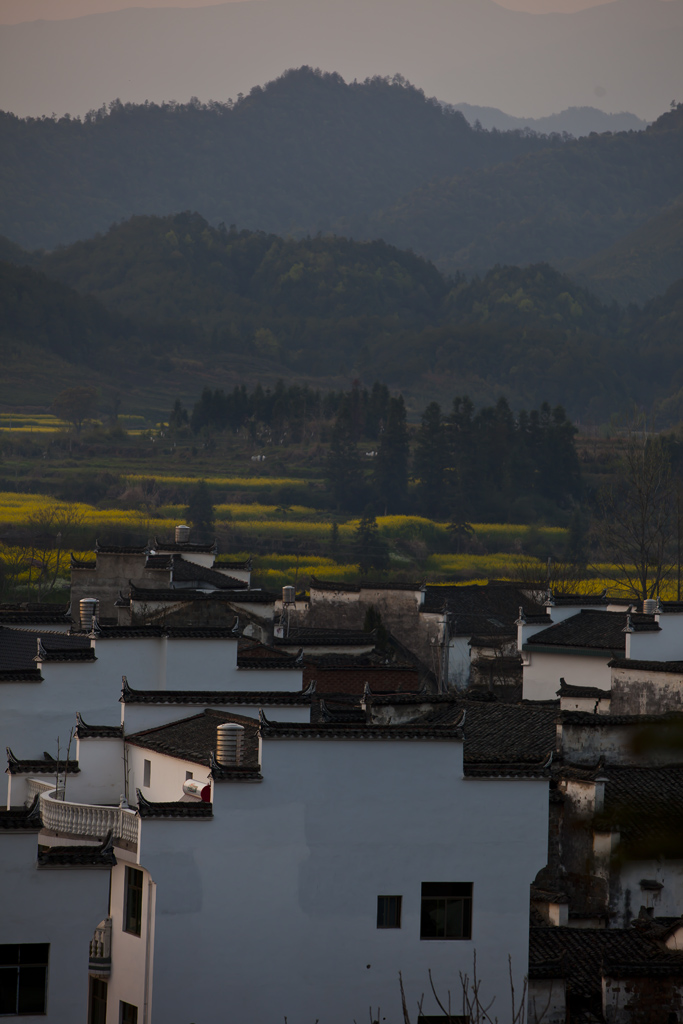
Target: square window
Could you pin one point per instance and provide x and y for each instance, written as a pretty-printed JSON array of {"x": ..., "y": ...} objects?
[
  {"x": 132, "y": 910},
  {"x": 188, "y": 775},
  {"x": 97, "y": 1013},
  {"x": 128, "y": 1014},
  {"x": 23, "y": 978},
  {"x": 389, "y": 911},
  {"x": 147, "y": 773},
  {"x": 446, "y": 911}
]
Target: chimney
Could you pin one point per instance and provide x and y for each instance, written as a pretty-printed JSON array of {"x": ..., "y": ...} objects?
[
  {"x": 88, "y": 608},
  {"x": 182, "y": 534},
  {"x": 599, "y": 799},
  {"x": 229, "y": 743}
]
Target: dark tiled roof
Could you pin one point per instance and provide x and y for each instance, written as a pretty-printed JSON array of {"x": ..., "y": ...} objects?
[
  {"x": 475, "y": 609},
  {"x": 46, "y": 765},
  {"x": 160, "y": 546},
  {"x": 584, "y": 718},
  {"x": 646, "y": 805},
  {"x": 203, "y": 697},
  {"x": 567, "y": 690},
  {"x": 18, "y": 675},
  {"x": 593, "y": 630},
  {"x": 576, "y": 600},
  {"x": 18, "y": 647},
  {"x": 34, "y": 614},
  {"x": 186, "y": 594},
  {"x": 583, "y": 955},
  {"x": 51, "y": 652},
  {"x": 674, "y": 667},
  {"x": 255, "y": 596},
  {"x": 333, "y": 586},
  {"x": 355, "y": 729},
  {"x": 189, "y": 572},
  {"x": 307, "y": 636},
  {"x": 251, "y": 654},
  {"x": 120, "y": 549},
  {"x": 194, "y": 739},
  {"x": 383, "y": 585},
  {"x": 83, "y": 563},
  {"x": 196, "y": 809},
  {"x": 172, "y": 632},
  {"x": 225, "y": 563},
  {"x": 21, "y": 819},
  {"x": 101, "y": 856},
  {"x": 87, "y": 732}
]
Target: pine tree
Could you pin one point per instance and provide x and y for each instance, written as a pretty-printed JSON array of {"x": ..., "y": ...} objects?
[
  {"x": 200, "y": 511},
  {"x": 343, "y": 468},
  {"x": 371, "y": 550},
  {"x": 430, "y": 460},
  {"x": 391, "y": 470}
]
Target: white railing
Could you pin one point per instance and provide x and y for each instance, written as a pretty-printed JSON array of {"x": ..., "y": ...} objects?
[
  {"x": 100, "y": 947},
  {"x": 88, "y": 819},
  {"x": 34, "y": 787}
]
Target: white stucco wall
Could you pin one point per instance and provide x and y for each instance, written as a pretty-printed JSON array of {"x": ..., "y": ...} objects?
[
  {"x": 132, "y": 956},
  {"x": 59, "y": 906},
  {"x": 101, "y": 777},
  {"x": 667, "y": 645},
  {"x": 542, "y": 673},
  {"x": 459, "y": 661},
  {"x": 279, "y": 891},
  {"x": 33, "y": 715},
  {"x": 166, "y": 777}
]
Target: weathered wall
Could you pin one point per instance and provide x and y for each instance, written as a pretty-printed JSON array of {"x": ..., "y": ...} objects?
[{"x": 645, "y": 692}]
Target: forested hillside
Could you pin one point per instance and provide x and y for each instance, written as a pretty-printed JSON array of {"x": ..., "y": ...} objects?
[
  {"x": 302, "y": 154},
  {"x": 560, "y": 205},
  {"x": 173, "y": 300},
  {"x": 642, "y": 264}
]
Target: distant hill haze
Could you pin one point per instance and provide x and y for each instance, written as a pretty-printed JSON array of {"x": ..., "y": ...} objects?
[
  {"x": 576, "y": 121},
  {"x": 624, "y": 55}
]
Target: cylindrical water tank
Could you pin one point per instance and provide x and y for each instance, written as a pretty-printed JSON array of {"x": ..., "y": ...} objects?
[
  {"x": 649, "y": 606},
  {"x": 182, "y": 534},
  {"x": 288, "y": 595},
  {"x": 88, "y": 608},
  {"x": 229, "y": 743},
  {"x": 192, "y": 787}
]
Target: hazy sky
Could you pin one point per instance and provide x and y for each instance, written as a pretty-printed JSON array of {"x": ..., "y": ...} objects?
[{"x": 13, "y": 11}]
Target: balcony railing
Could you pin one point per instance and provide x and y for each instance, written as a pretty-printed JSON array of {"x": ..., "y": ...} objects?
[
  {"x": 95, "y": 820},
  {"x": 100, "y": 948},
  {"x": 34, "y": 787}
]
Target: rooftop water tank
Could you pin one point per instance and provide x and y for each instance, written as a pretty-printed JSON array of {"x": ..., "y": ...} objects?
[
  {"x": 182, "y": 534},
  {"x": 288, "y": 595},
  {"x": 229, "y": 743},
  {"x": 650, "y": 606},
  {"x": 192, "y": 787},
  {"x": 88, "y": 608}
]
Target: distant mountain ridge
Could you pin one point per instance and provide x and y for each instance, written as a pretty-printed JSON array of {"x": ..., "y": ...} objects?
[
  {"x": 576, "y": 121},
  {"x": 627, "y": 53},
  {"x": 304, "y": 154},
  {"x": 163, "y": 303}
]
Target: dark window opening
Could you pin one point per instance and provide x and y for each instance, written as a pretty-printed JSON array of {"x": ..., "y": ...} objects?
[
  {"x": 23, "y": 978},
  {"x": 389, "y": 911},
  {"x": 147, "y": 773},
  {"x": 446, "y": 911},
  {"x": 132, "y": 913},
  {"x": 128, "y": 1014},
  {"x": 97, "y": 1011},
  {"x": 188, "y": 775}
]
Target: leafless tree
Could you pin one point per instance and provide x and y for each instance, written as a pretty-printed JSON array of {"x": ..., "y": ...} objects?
[{"x": 636, "y": 520}]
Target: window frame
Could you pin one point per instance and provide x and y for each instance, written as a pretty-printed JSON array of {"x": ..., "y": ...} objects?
[
  {"x": 94, "y": 984},
  {"x": 123, "y": 1007},
  {"x": 146, "y": 773},
  {"x": 132, "y": 902},
  {"x": 382, "y": 911},
  {"x": 453, "y": 895},
  {"x": 37, "y": 962}
]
